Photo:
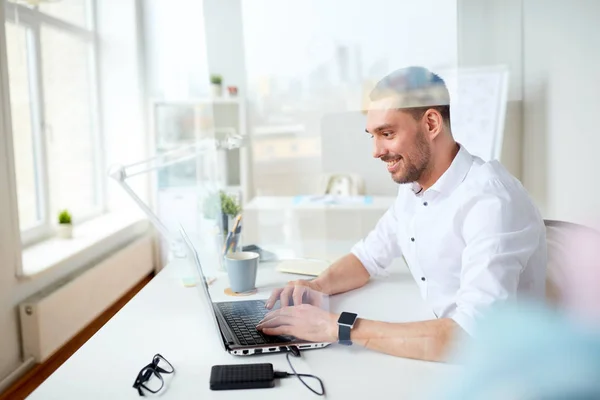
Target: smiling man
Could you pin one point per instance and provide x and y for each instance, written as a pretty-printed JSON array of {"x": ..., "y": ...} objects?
[{"x": 467, "y": 229}]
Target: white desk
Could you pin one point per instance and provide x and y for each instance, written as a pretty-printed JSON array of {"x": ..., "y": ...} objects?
[
  {"x": 381, "y": 203},
  {"x": 170, "y": 319},
  {"x": 264, "y": 217}
]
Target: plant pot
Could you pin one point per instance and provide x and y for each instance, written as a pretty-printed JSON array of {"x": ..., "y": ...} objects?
[
  {"x": 224, "y": 223},
  {"x": 216, "y": 89},
  {"x": 64, "y": 231}
]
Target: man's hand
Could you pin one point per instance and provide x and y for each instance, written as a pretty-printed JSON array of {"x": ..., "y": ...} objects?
[
  {"x": 305, "y": 321},
  {"x": 298, "y": 292},
  {"x": 344, "y": 275}
]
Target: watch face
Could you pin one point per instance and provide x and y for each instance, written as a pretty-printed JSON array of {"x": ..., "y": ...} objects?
[{"x": 347, "y": 318}]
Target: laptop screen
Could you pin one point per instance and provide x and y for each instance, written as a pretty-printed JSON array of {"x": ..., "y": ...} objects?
[
  {"x": 194, "y": 254},
  {"x": 203, "y": 284}
]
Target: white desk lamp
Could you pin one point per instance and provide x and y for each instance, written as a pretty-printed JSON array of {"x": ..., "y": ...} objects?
[{"x": 121, "y": 173}]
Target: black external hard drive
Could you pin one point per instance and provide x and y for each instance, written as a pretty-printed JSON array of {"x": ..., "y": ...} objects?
[{"x": 242, "y": 376}]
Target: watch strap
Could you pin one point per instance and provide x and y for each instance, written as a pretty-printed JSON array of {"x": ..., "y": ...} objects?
[{"x": 344, "y": 335}]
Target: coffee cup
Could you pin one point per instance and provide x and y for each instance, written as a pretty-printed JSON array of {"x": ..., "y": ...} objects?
[{"x": 241, "y": 268}]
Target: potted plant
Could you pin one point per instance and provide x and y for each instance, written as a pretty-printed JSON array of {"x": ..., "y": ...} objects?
[
  {"x": 222, "y": 207},
  {"x": 65, "y": 227},
  {"x": 216, "y": 82}
]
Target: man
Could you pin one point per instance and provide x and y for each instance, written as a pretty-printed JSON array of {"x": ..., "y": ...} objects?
[{"x": 467, "y": 229}]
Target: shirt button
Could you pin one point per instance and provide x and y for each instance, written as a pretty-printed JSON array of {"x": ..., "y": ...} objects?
[
  {"x": 425, "y": 204},
  {"x": 423, "y": 278},
  {"x": 412, "y": 239}
]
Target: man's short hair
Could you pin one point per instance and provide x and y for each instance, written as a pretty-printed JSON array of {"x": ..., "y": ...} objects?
[{"x": 417, "y": 90}]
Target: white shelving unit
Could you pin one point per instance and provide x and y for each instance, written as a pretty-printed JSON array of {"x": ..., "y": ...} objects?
[
  {"x": 183, "y": 122},
  {"x": 179, "y": 122}
]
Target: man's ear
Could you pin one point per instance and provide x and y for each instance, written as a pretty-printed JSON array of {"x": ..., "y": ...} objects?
[{"x": 433, "y": 123}]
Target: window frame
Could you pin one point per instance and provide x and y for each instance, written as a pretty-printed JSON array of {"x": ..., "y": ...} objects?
[{"x": 33, "y": 20}]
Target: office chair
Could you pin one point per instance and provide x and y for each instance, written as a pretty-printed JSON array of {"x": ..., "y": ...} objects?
[
  {"x": 522, "y": 350},
  {"x": 342, "y": 184},
  {"x": 573, "y": 263}
]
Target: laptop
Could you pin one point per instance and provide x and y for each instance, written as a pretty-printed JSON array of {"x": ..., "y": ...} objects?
[{"x": 235, "y": 321}]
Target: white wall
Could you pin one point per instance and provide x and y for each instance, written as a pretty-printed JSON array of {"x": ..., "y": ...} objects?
[
  {"x": 551, "y": 49},
  {"x": 122, "y": 97},
  {"x": 9, "y": 234},
  {"x": 118, "y": 21},
  {"x": 225, "y": 53},
  {"x": 175, "y": 49},
  {"x": 490, "y": 34},
  {"x": 562, "y": 102},
  {"x": 9, "y": 335}
]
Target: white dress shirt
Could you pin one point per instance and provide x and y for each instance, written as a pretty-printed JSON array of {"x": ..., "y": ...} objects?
[{"x": 472, "y": 239}]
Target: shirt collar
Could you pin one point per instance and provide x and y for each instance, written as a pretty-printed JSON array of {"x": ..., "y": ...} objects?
[
  {"x": 416, "y": 188},
  {"x": 453, "y": 176}
]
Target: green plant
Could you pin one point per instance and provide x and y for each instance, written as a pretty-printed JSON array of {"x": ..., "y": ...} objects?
[
  {"x": 221, "y": 202},
  {"x": 229, "y": 204},
  {"x": 64, "y": 217},
  {"x": 216, "y": 79}
]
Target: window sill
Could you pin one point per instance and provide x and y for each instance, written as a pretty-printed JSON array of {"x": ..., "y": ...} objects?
[{"x": 91, "y": 240}]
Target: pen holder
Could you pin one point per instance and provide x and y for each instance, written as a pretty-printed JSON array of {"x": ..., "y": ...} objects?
[{"x": 224, "y": 248}]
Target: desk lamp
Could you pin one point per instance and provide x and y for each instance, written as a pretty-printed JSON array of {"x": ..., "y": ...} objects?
[{"x": 120, "y": 173}]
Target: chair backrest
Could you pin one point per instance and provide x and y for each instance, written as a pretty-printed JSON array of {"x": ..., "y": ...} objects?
[
  {"x": 573, "y": 273},
  {"x": 342, "y": 184}
]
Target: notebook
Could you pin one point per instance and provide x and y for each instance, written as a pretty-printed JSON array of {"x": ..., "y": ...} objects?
[{"x": 311, "y": 267}]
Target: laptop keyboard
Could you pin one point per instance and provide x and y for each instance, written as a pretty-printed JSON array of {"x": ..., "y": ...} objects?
[{"x": 242, "y": 317}]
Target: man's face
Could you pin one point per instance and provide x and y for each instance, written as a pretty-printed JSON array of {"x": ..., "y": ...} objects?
[{"x": 399, "y": 140}]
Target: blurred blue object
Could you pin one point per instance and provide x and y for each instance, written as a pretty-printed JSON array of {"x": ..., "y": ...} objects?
[{"x": 527, "y": 352}]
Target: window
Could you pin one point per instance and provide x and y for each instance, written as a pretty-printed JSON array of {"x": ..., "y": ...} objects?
[{"x": 51, "y": 59}]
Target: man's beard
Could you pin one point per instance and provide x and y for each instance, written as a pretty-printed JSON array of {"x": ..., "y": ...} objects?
[{"x": 416, "y": 162}]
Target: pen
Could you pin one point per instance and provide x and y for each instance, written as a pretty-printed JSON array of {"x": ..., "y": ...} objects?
[{"x": 231, "y": 239}]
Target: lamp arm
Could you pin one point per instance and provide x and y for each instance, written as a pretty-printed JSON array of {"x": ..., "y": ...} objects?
[
  {"x": 117, "y": 172},
  {"x": 151, "y": 216}
]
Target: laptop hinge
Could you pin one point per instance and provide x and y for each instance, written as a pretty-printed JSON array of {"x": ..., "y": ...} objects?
[{"x": 225, "y": 331}]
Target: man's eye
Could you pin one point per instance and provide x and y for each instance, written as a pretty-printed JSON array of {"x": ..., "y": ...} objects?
[{"x": 387, "y": 134}]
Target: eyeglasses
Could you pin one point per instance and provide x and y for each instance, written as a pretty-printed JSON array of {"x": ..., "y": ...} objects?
[{"x": 150, "y": 378}]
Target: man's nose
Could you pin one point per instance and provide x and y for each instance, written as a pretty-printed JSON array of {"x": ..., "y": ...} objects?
[{"x": 378, "y": 149}]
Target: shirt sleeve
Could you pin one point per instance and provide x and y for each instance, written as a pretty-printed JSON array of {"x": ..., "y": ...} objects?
[
  {"x": 501, "y": 233},
  {"x": 379, "y": 248}
]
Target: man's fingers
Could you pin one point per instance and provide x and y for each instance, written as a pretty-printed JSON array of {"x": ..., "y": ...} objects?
[
  {"x": 273, "y": 298},
  {"x": 315, "y": 299},
  {"x": 271, "y": 315},
  {"x": 320, "y": 300},
  {"x": 298, "y": 293},
  {"x": 291, "y": 294},
  {"x": 275, "y": 322},
  {"x": 280, "y": 330},
  {"x": 288, "y": 312},
  {"x": 284, "y": 298}
]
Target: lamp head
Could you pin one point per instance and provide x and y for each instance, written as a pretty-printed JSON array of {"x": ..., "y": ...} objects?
[{"x": 117, "y": 172}]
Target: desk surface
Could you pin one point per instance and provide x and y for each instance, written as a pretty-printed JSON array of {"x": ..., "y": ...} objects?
[
  {"x": 289, "y": 202},
  {"x": 168, "y": 318},
  {"x": 264, "y": 217}
]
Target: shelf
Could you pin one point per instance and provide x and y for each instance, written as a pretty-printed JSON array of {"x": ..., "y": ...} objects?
[{"x": 202, "y": 100}]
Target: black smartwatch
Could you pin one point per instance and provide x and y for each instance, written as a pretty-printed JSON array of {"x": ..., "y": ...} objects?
[{"x": 345, "y": 324}]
